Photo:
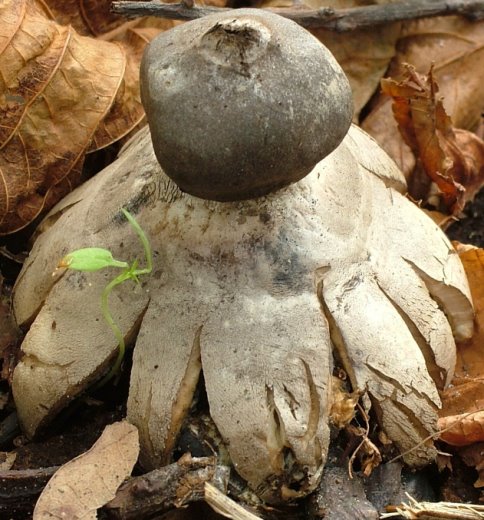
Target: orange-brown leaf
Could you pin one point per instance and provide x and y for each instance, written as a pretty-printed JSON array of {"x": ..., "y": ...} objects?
[
  {"x": 428, "y": 131},
  {"x": 470, "y": 356},
  {"x": 11, "y": 14},
  {"x": 460, "y": 430},
  {"x": 27, "y": 65},
  {"x": 88, "y": 17},
  {"x": 456, "y": 47},
  {"x": 466, "y": 394},
  {"x": 127, "y": 110},
  {"x": 471, "y": 147},
  {"x": 60, "y": 86}
]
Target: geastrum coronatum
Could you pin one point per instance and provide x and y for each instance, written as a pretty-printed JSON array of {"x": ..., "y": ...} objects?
[{"x": 279, "y": 236}]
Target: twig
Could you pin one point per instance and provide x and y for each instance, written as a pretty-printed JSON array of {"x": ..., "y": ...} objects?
[
  {"x": 339, "y": 20},
  {"x": 166, "y": 488},
  {"x": 437, "y": 510},
  {"x": 225, "y": 506},
  {"x": 20, "y": 489}
]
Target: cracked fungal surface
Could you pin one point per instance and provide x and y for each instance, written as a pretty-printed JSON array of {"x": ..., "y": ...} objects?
[{"x": 254, "y": 294}]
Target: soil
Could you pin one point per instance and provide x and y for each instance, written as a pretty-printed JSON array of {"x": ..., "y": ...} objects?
[{"x": 470, "y": 228}]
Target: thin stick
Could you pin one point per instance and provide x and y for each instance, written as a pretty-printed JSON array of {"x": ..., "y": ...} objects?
[
  {"x": 436, "y": 510},
  {"x": 339, "y": 20},
  {"x": 225, "y": 506}
]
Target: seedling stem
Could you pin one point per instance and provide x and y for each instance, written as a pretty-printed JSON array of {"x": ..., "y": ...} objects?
[{"x": 93, "y": 259}]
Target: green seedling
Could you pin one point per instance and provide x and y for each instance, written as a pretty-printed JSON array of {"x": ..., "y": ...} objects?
[{"x": 92, "y": 259}]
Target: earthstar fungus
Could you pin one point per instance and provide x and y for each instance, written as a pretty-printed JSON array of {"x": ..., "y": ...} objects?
[{"x": 253, "y": 293}]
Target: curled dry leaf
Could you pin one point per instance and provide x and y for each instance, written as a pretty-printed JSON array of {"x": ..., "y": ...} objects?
[
  {"x": 61, "y": 95},
  {"x": 86, "y": 483},
  {"x": 367, "y": 453},
  {"x": 343, "y": 404},
  {"x": 456, "y": 46},
  {"x": 452, "y": 159},
  {"x": 466, "y": 395}
]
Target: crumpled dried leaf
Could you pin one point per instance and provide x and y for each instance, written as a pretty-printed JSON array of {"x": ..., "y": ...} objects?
[
  {"x": 343, "y": 403},
  {"x": 456, "y": 46},
  {"x": 466, "y": 394},
  {"x": 452, "y": 159},
  {"x": 366, "y": 452},
  {"x": 61, "y": 95},
  {"x": 89, "y": 481},
  {"x": 10, "y": 17}
]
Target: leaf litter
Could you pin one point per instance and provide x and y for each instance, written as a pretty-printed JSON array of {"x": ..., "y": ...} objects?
[{"x": 89, "y": 481}]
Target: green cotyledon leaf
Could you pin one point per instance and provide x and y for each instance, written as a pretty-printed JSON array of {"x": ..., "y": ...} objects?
[{"x": 91, "y": 259}]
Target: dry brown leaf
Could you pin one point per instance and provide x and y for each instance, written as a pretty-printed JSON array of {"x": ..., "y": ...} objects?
[
  {"x": 456, "y": 47},
  {"x": 126, "y": 111},
  {"x": 27, "y": 64},
  {"x": 460, "y": 430},
  {"x": 59, "y": 86},
  {"x": 11, "y": 14},
  {"x": 61, "y": 95},
  {"x": 466, "y": 394},
  {"x": 88, "y": 17},
  {"x": 94, "y": 18},
  {"x": 86, "y": 483},
  {"x": 470, "y": 357},
  {"x": 367, "y": 453},
  {"x": 343, "y": 403},
  {"x": 452, "y": 159},
  {"x": 381, "y": 124}
]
